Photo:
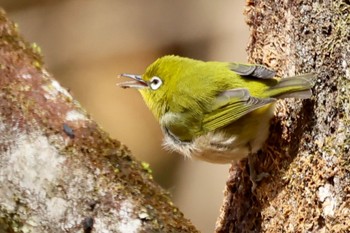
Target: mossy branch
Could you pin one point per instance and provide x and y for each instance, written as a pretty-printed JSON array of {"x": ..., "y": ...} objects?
[{"x": 59, "y": 172}]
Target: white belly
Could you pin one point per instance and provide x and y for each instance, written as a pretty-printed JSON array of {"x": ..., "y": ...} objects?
[{"x": 216, "y": 148}]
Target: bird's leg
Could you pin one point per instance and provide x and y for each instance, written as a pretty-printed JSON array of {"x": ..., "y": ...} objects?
[
  {"x": 252, "y": 173},
  {"x": 254, "y": 178}
]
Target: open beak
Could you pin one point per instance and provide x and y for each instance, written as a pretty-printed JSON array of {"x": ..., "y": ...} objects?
[{"x": 137, "y": 81}]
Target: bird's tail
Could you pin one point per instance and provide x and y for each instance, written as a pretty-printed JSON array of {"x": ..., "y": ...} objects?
[{"x": 293, "y": 87}]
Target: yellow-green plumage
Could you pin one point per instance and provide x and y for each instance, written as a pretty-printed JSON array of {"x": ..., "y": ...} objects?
[{"x": 214, "y": 111}]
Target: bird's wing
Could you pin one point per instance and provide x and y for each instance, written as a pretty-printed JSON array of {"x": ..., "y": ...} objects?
[
  {"x": 256, "y": 71},
  {"x": 231, "y": 105},
  {"x": 227, "y": 107}
]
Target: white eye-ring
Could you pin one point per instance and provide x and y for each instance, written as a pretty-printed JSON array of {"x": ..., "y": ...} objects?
[{"x": 155, "y": 82}]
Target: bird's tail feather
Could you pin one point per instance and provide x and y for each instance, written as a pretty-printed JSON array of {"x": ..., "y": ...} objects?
[{"x": 293, "y": 87}]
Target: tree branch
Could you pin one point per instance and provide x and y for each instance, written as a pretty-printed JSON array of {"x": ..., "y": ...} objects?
[{"x": 59, "y": 172}]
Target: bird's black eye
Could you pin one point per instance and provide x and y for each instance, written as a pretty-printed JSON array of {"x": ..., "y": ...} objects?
[{"x": 155, "y": 83}]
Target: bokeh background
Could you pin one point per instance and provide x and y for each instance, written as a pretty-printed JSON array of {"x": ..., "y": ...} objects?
[{"x": 86, "y": 43}]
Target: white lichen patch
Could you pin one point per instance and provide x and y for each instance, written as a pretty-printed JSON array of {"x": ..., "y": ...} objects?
[
  {"x": 60, "y": 89},
  {"x": 26, "y": 76},
  {"x": 100, "y": 226},
  {"x": 34, "y": 162},
  {"x": 45, "y": 73},
  {"x": 30, "y": 167},
  {"x": 75, "y": 115},
  {"x": 127, "y": 223},
  {"x": 53, "y": 89},
  {"x": 56, "y": 208},
  {"x": 327, "y": 197}
]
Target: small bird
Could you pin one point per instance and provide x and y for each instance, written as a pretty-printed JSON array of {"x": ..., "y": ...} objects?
[{"x": 219, "y": 112}]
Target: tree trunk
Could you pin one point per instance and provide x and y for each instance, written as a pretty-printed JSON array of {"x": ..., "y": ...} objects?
[
  {"x": 59, "y": 172},
  {"x": 307, "y": 154}
]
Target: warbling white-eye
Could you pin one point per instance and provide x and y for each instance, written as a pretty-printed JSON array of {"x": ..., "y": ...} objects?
[{"x": 215, "y": 111}]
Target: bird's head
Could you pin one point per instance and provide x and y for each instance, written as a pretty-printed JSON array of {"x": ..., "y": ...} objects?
[{"x": 160, "y": 82}]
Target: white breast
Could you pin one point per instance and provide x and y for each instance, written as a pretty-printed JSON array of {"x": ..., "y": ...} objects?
[{"x": 214, "y": 148}]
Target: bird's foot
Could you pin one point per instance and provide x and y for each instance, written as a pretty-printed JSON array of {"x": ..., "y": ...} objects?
[{"x": 254, "y": 178}]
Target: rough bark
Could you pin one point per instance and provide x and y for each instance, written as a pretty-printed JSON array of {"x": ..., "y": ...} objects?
[
  {"x": 307, "y": 154},
  {"x": 59, "y": 172}
]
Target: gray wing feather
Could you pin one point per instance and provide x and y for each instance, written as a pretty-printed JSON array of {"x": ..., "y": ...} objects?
[{"x": 257, "y": 71}]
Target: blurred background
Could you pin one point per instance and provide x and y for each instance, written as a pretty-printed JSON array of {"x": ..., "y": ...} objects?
[{"x": 86, "y": 43}]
